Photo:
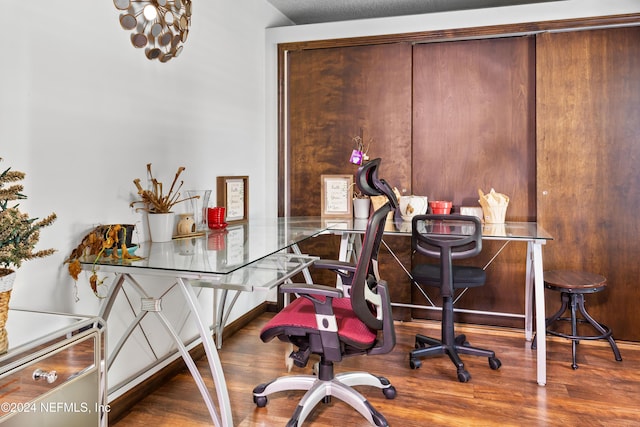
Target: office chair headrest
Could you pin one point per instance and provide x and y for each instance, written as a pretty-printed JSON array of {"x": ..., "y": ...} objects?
[{"x": 368, "y": 182}]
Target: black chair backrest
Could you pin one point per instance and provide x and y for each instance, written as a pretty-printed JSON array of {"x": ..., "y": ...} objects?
[
  {"x": 363, "y": 299},
  {"x": 446, "y": 237}
]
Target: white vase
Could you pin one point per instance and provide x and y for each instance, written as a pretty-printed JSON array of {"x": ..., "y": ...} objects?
[
  {"x": 361, "y": 208},
  {"x": 161, "y": 226},
  {"x": 7, "y": 277}
]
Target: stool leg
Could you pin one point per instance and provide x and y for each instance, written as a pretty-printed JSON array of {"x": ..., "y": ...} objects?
[
  {"x": 598, "y": 327},
  {"x": 574, "y": 328},
  {"x": 563, "y": 307}
]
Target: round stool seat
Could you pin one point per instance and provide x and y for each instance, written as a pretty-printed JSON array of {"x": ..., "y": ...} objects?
[{"x": 574, "y": 282}]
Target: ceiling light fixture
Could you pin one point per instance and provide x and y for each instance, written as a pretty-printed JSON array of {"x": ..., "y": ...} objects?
[{"x": 158, "y": 26}]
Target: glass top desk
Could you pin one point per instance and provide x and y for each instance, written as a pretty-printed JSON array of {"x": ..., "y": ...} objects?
[
  {"x": 250, "y": 257},
  {"x": 526, "y": 232}
]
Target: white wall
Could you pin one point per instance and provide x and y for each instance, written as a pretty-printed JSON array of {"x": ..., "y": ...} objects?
[{"x": 82, "y": 112}]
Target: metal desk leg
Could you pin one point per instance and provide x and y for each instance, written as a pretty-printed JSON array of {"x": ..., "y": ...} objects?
[
  {"x": 213, "y": 358},
  {"x": 540, "y": 314},
  {"x": 221, "y": 312},
  {"x": 528, "y": 294}
]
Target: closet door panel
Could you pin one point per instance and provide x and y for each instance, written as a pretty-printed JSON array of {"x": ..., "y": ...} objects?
[
  {"x": 334, "y": 95},
  {"x": 588, "y": 151},
  {"x": 337, "y": 94},
  {"x": 474, "y": 128}
]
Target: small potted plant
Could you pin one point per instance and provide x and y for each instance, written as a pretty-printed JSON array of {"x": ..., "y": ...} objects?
[
  {"x": 159, "y": 204},
  {"x": 19, "y": 235},
  {"x": 361, "y": 203}
]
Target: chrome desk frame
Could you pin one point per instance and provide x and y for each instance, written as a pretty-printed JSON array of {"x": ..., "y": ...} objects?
[
  {"x": 263, "y": 246},
  {"x": 528, "y": 232}
]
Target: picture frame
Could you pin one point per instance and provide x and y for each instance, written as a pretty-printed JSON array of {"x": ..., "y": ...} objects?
[
  {"x": 336, "y": 196},
  {"x": 232, "y": 193}
]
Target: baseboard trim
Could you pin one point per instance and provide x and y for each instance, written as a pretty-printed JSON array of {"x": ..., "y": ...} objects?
[{"x": 123, "y": 404}]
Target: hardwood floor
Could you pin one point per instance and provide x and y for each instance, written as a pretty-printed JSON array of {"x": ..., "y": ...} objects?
[{"x": 601, "y": 392}]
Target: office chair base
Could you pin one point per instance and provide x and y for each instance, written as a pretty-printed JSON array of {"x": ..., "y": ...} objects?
[
  {"x": 321, "y": 390},
  {"x": 427, "y": 347}
]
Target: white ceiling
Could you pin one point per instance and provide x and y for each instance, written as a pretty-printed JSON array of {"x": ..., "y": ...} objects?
[{"x": 316, "y": 11}]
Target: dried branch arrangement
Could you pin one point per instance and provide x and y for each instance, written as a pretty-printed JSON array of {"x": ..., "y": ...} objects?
[
  {"x": 94, "y": 246},
  {"x": 155, "y": 200}
]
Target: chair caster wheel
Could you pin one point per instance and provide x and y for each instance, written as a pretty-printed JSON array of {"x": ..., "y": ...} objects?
[
  {"x": 494, "y": 363},
  {"x": 389, "y": 392},
  {"x": 462, "y": 340},
  {"x": 414, "y": 363},
  {"x": 260, "y": 401},
  {"x": 464, "y": 376},
  {"x": 574, "y": 366}
]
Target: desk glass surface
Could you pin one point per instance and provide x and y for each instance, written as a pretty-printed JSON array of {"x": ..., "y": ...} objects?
[
  {"x": 506, "y": 231},
  {"x": 222, "y": 252}
]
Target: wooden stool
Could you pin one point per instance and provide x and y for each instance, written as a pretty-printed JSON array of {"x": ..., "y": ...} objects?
[{"x": 572, "y": 286}]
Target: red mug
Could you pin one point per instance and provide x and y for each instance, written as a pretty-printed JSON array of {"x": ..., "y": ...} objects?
[{"x": 216, "y": 215}]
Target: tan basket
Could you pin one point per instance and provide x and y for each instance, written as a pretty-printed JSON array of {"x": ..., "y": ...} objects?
[
  {"x": 4, "y": 314},
  {"x": 493, "y": 213}
]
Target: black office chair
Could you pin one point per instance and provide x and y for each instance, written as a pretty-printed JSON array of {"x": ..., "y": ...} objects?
[
  {"x": 324, "y": 322},
  {"x": 448, "y": 238}
]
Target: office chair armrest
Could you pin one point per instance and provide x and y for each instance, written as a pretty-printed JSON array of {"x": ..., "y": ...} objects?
[
  {"x": 330, "y": 264},
  {"x": 345, "y": 271},
  {"x": 388, "y": 329},
  {"x": 303, "y": 289}
]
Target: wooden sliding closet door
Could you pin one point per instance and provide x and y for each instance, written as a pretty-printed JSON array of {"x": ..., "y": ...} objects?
[
  {"x": 474, "y": 127},
  {"x": 588, "y": 152},
  {"x": 333, "y": 94}
]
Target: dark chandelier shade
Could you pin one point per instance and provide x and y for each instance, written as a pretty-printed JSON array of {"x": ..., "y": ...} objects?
[{"x": 160, "y": 27}]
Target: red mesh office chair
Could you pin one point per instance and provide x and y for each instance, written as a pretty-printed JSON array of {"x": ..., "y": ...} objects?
[
  {"x": 324, "y": 322},
  {"x": 448, "y": 238}
]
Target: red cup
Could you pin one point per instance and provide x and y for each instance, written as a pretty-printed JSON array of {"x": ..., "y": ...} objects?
[
  {"x": 440, "y": 207},
  {"x": 216, "y": 216}
]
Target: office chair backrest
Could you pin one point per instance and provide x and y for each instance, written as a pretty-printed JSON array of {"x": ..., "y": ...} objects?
[
  {"x": 368, "y": 182},
  {"x": 446, "y": 237},
  {"x": 462, "y": 234},
  {"x": 363, "y": 297}
]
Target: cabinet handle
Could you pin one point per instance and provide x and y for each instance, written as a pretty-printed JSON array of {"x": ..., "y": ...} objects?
[{"x": 51, "y": 376}]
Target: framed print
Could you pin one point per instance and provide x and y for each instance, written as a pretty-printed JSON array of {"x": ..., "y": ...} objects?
[
  {"x": 336, "y": 195},
  {"x": 232, "y": 192}
]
